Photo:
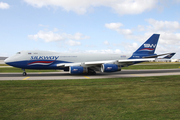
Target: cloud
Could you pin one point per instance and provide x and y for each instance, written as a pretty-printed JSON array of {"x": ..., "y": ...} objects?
[
  {"x": 4, "y": 5},
  {"x": 55, "y": 30},
  {"x": 78, "y": 36},
  {"x": 169, "y": 31},
  {"x": 131, "y": 47},
  {"x": 133, "y": 6},
  {"x": 41, "y": 25},
  {"x": 48, "y": 36},
  {"x": 116, "y": 27},
  {"x": 118, "y": 51},
  {"x": 168, "y": 26},
  {"x": 83, "y": 6},
  {"x": 73, "y": 43},
  {"x": 52, "y": 36},
  {"x": 113, "y": 26},
  {"x": 141, "y": 28},
  {"x": 105, "y": 51},
  {"x": 169, "y": 2},
  {"x": 106, "y": 42},
  {"x": 170, "y": 38}
]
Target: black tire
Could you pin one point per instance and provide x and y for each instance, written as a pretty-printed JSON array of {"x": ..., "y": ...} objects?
[
  {"x": 24, "y": 73},
  {"x": 91, "y": 72}
]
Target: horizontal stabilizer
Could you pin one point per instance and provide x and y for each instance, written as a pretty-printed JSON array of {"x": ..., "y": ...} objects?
[
  {"x": 169, "y": 56},
  {"x": 155, "y": 56}
]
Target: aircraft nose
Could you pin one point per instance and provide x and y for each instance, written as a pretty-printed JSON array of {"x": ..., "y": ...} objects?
[{"x": 7, "y": 60}]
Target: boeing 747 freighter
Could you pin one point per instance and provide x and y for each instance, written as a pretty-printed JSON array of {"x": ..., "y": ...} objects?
[{"x": 84, "y": 63}]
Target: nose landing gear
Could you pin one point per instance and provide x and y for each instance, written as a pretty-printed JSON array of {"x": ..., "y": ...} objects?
[{"x": 24, "y": 72}]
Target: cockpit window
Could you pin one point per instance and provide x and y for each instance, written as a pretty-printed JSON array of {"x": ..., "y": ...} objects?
[{"x": 18, "y": 53}]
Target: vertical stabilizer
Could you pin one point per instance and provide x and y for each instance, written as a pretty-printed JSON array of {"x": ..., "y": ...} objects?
[{"x": 148, "y": 48}]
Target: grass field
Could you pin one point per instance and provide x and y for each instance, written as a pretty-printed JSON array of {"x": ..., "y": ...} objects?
[
  {"x": 4, "y": 65},
  {"x": 145, "y": 98}
]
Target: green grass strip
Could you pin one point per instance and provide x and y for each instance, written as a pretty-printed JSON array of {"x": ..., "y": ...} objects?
[
  {"x": 4, "y": 65},
  {"x": 146, "y": 98}
]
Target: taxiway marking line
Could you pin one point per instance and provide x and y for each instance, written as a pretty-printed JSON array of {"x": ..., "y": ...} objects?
[
  {"x": 39, "y": 72},
  {"x": 87, "y": 77},
  {"x": 26, "y": 78}
]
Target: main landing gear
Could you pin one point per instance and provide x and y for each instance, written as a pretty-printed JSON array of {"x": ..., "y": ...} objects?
[
  {"x": 91, "y": 71},
  {"x": 24, "y": 72}
]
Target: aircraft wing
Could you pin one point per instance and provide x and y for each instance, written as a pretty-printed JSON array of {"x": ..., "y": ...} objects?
[{"x": 96, "y": 63}]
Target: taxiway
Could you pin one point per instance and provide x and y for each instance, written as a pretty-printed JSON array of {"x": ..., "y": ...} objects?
[{"x": 66, "y": 75}]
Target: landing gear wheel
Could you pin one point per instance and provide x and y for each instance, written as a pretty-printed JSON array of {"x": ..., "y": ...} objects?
[
  {"x": 91, "y": 72},
  {"x": 24, "y": 73},
  {"x": 94, "y": 73}
]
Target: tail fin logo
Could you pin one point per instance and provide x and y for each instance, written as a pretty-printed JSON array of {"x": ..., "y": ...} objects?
[{"x": 150, "y": 46}]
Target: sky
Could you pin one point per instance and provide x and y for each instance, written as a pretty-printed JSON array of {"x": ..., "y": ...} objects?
[{"x": 88, "y": 26}]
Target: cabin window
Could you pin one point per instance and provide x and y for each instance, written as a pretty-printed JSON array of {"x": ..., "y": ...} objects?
[{"x": 18, "y": 53}]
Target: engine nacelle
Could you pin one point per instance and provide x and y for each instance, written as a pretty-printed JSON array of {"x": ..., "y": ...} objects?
[
  {"x": 110, "y": 68},
  {"x": 77, "y": 69}
]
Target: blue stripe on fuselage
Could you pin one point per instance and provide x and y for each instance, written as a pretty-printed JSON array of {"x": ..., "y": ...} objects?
[{"x": 24, "y": 64}]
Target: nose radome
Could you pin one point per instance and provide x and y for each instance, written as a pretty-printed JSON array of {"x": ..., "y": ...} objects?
[{"x": 7, "y": 60}]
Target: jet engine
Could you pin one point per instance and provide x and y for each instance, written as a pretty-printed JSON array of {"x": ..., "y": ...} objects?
[
  {"x": 77, "y": 69},
  {"x": 110, "y": 68}
]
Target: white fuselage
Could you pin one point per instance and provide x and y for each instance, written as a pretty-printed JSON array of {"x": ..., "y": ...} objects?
[{"x": 49, "y": 60}]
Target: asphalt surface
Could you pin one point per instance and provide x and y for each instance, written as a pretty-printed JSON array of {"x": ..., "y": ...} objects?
[{"x": 66, "y": 75}]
